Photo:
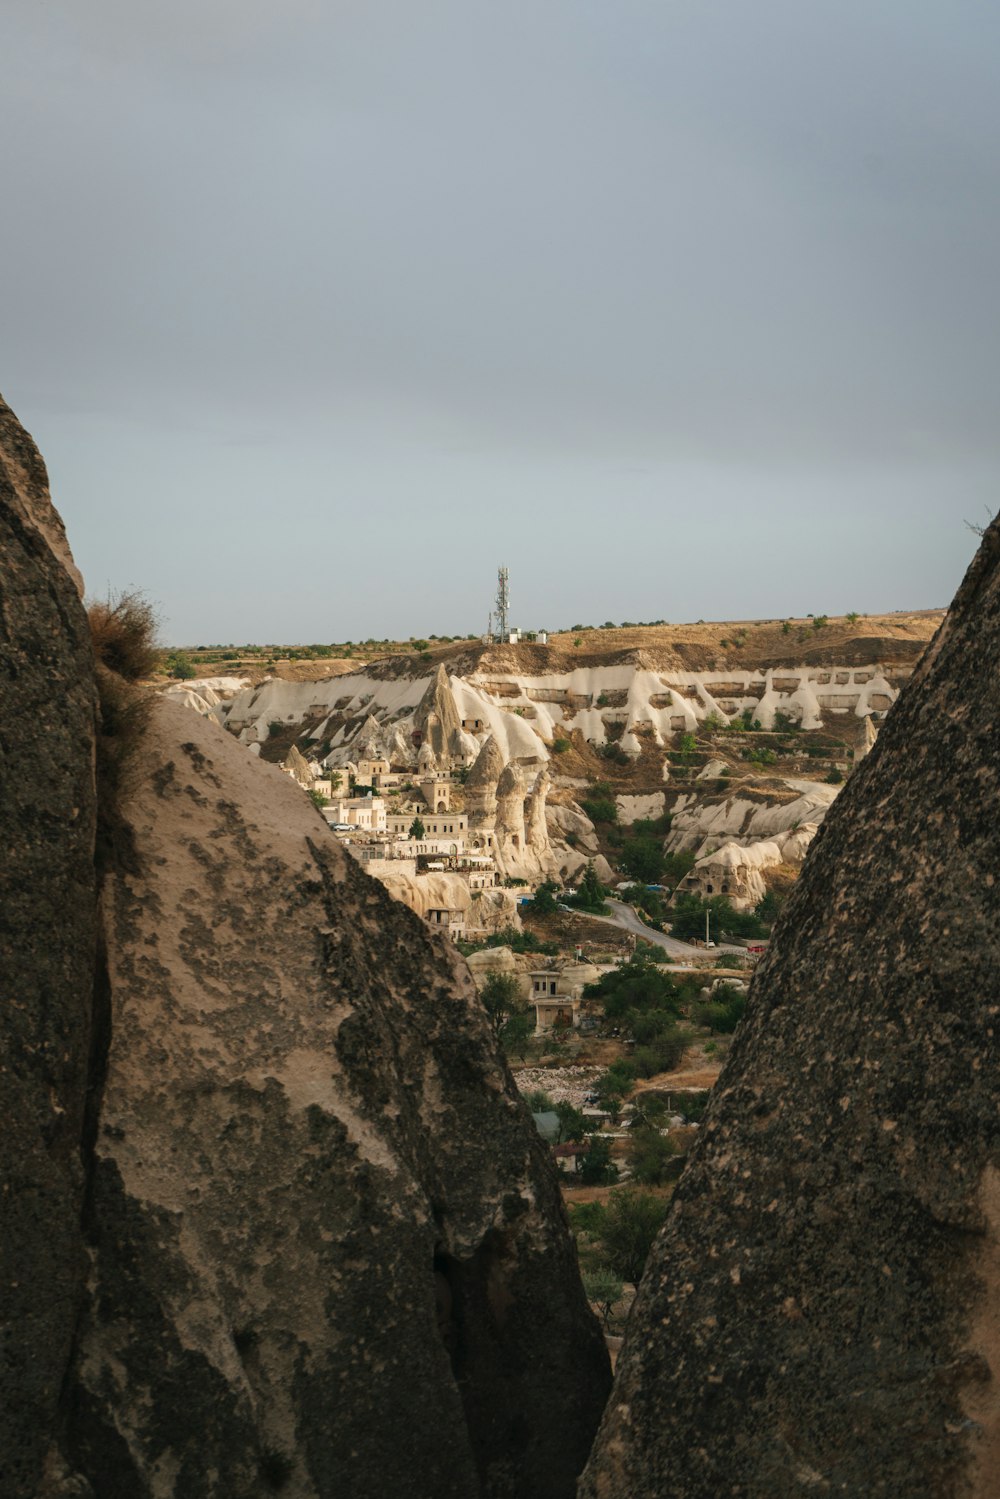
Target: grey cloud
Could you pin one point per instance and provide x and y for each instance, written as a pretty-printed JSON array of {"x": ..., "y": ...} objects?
[{"x": 570, "y": 263}]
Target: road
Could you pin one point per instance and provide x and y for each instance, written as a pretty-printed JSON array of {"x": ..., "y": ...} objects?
[{"x": 624, "y": 916}]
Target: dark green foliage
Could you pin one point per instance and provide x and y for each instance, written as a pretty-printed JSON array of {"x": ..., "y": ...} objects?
[
  {"x": 631, "y": 1222},
  {"x": 602, "y": 1288},
  {"x": 586, "y": 1217},
  {"x": 834, "y": 776},
  {"x": 596, "y": 1168},
  {"x": 652, "y": 1155},
  {"x": 572, "y": 1124},
  {"x": 635, "y": 985},
  {"x": 417, "y": 829},
  {"x": 545, "y": 898},
  {"x": 560, "y": 746},
  {"x": 590, "y": 894},
  {"x": 600, "y": 808},
  {"x": 642, "y": 858},
  {"x": 689, "y": 919},
  {"x": 509, "y": 936},
  {"x": 724, "y": 1011},
  {"x": 662, "y": 1054}
]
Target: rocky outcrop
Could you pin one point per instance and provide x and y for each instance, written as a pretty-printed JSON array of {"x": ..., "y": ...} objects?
[
  {"x": 818, "y": 1315},
  {"x": 437, "y": 719},
  {"x": 328, "y": 1252},
  {"x": 298, "y": 768},
  {"x": 48, "y": 943}
]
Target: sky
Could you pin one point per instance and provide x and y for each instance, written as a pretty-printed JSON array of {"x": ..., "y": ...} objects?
[{"x": 319, "y": 310}]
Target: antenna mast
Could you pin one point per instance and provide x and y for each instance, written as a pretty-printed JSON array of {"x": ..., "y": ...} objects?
[{"x": 502, "y": 605}]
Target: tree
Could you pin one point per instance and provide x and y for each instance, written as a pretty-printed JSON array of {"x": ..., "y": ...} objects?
[
  {"x": 318, "y": 799},
  {"x": 179, "y": 666},
  {"x": 602, "y": 1289},
  {"x": 509, "y": 1016},
  {"x": 545, "y": 898},
  {"x": 652, "y": 1154},
  {"x": 642, "y": 858},
  {"x": 596, "y": 1168},
  {"x": 572, "y": 1124},
  {"x": 590, "y": 892},
  {"x": 637, "y": 985},
  {"x": 631, "y": 1224},
  {"x": 417, "y": 829}
]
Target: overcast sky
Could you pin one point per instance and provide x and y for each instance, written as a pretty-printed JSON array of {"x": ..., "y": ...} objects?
[{"x": 320, "y": 309}]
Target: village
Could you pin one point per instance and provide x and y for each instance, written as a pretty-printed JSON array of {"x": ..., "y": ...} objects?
[{"x": 607, "y": 843}]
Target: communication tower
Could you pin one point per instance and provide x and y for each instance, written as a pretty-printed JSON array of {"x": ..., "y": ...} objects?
[{"x": 502, "y": 605}]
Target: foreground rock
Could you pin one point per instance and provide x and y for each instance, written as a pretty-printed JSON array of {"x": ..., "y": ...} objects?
[
  {"x": 328, "y": 1250},
  {"x": 48, "y": 932},
  {"x": 818, "y": 1316}
]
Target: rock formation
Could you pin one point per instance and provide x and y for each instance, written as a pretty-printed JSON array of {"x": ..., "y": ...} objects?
[
  {"x": 481, "y": 794},
  {"x": 510, "y": 817},
  {"x": 48, "y": 949},
  {"x": 818, "y": 1315},
  {"x": 536, "y": 827},
  {"x": 278, "y": 1200},
  {"x": 867, "y": 735},
  {"x": 274, "y": 1217},
  {"x": 438, "y": 720},
  {"x": 298, "y": 768}
]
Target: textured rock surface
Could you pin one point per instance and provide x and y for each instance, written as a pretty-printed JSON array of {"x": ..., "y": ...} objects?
[
  {"x": 819, "y": 1314},
  {"x": 328, "y": 1250},
  {"x": 48, "y": 928}
]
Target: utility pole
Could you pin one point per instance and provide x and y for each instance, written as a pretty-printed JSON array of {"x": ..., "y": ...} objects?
[{"x": 706, "y": 925}]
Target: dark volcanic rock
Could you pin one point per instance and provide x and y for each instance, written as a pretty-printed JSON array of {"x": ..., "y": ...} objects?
[
  {"x": 329, "y": 1255},
  {"x": 820, "y": 1312},
  {"x": 48, "y": 929}
]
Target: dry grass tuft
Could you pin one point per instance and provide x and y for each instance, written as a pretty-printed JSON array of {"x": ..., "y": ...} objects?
[
  {"x": 124, "y": 636},
  {"x": 123, "y": 630}
]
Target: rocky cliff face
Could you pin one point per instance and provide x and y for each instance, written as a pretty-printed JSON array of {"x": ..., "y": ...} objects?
[
  {"x": 819, "y": 1314},
  {"x": 274, "y": 1218},
  {"x": 48, "y": 939},
  {"x": 326, "y": 1243}
]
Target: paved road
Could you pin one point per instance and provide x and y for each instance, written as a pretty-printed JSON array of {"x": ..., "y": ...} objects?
[{"x": 624, "y": 916}]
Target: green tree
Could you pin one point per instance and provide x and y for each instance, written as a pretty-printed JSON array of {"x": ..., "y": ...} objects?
[
  {"x": 318, "y": 799},
  {"x": 602, "y": 1289},
  {"x": 178, "y": 664},
  {"x": 510, "y": 1018},
  {"x": 642, "y": 858},
  {"x": 572, "y": 1124},
  {"x": 590, "y": 892},
  {"x": 544, "y": 899},
  {"x": 417, "y": 829},
  {"x": 651, "y": 1156},
  {"x": 631, "y": 1223},
  {"x": 636, "y": 985},
  {"x": 596, "y": 1168}
]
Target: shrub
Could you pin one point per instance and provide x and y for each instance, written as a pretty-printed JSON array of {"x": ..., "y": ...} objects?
[
  {"x": 596, "y": 1168},
  {"x": 600, "y": 809},
  {"x": 560, "y": 746},
  {"x": 123, "y": 631},
  {"x": 633, "y": 988},
  {"x": 631, "y": 1222},
  {"x": 603, "y": 1289},
  {"x": 651, "y": 1156},
  {"x": 724, "y": 1011},
  {"x": 834, "y": 776}
]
